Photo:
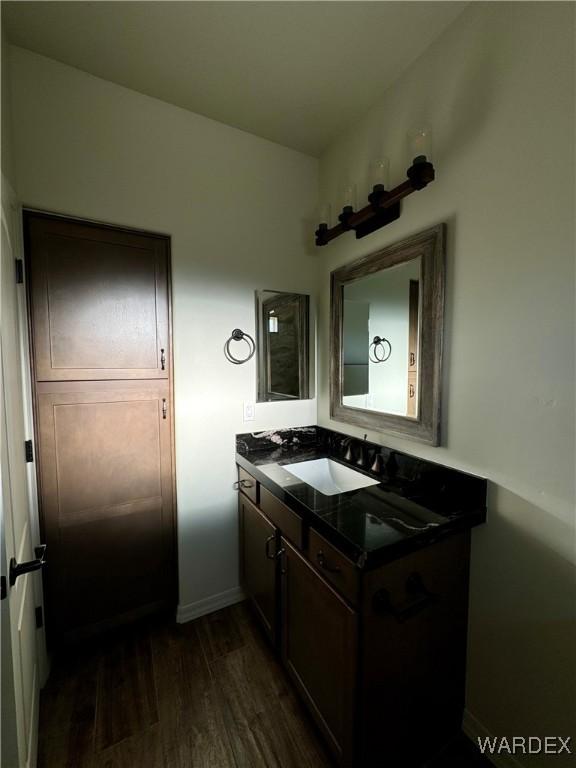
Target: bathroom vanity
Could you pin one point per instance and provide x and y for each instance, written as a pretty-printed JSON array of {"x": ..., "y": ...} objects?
[{"x": 356, "y": 561}]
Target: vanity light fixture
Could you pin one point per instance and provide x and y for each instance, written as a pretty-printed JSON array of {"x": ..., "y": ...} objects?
[{"x": 384, "y": 206}]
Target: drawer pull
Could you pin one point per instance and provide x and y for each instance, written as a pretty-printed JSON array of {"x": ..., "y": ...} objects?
[
  {"x": 269, "y": 540},
  {"x": 323, "y": 563},
  {"x": 243, "y": 484},
  {"x": 418, "y": 598}
]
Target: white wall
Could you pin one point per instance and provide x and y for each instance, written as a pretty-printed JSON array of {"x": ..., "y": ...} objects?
[
  {"x": 6, "y": 131},
  {"x": 498, "y": 90},
  {"x": 236, "y": 208}
]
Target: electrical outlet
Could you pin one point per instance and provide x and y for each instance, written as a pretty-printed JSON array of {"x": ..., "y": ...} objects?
[{"x": 249, "y": 411}]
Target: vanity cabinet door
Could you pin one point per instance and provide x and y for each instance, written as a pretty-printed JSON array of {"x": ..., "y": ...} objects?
[
  {"x": 258, "y": 563},
  {"x": 319, "y": 632}
]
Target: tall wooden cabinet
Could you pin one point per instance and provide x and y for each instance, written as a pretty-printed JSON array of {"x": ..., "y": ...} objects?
[{"x": 99, "y": 301}]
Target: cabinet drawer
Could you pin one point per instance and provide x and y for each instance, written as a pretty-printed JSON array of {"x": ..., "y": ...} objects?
[
  {"x": 289, "y": 522},
  {"x": 334, "y": 566},
  {"x": 248, "y": 485}
]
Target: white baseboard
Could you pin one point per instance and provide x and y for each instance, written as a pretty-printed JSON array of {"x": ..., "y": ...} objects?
[
  {"x": 474, "y": 729},
  {"x": 210, "y": 604}
]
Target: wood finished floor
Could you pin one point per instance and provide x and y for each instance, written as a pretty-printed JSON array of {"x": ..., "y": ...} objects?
[{"x": 207, "y": 694}]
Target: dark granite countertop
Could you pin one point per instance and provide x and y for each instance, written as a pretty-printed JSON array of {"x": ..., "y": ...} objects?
[{"x": 415, "y": 502}]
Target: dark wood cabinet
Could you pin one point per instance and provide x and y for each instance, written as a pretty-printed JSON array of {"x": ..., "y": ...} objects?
[
  {"x": 99, "y": 306},
  {"x": 106, "y": 479},
  {"x": 413, "y": 625},
  {"x": 99, "y": 301},
  {"x": 319, "y": 632},
  {"x": 258, "y": 563},
  {"x": 377, "y": 655}
]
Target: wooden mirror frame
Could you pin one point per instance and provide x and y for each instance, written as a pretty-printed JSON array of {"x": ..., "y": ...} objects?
[
  {"x": 264, "y": 393},
  {"x": 425, "y": 427}
]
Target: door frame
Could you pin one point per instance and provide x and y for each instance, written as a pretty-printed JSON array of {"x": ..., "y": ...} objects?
[
  {"x": 16, "y": 213},
  {"x": 11, "y": 736},
  {"x": 40, "y": 213}
]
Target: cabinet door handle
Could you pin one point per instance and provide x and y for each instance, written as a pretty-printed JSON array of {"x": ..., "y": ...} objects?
[
  {"x": 323, "y": 563},
  {"x": 412, "y": 358},
  {"x": 243, "y": 484},
  {"x": 269, "y": 540},
  {"x": 283, "y": 561},
  {"x": 411, "y": 390},
  {"x": 164, "y": 408},
  {"x": 418, "y": 599},
  {"x": 163, "y": 359}
]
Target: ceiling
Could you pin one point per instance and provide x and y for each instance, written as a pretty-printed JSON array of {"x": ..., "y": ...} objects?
[{"x": 297, "y": 73}]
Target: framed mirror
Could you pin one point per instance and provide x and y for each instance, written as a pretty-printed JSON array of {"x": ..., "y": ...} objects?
[
  {"x": 386, "y": 340},
  {"x": 282, "y": 330}
]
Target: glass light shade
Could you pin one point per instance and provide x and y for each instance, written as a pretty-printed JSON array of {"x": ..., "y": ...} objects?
[
  {"x": 272, "y": 323},
  {"x": 324, "y": 214},
  {"x": 380, "y": 173},
  {"x": 349, "y": 195},
  {"x": 420, "y": 145}
]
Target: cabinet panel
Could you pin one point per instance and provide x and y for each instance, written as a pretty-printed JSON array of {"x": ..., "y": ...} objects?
[
  {"x": 258, "y": 563},
  {"x": 248, "y": 485},
  {"x": 414, "y": 636},
  {"x": 99, "y": 301},
  {"x": 335, "y": 568},
  {"x": 289, "y": 522},
  {"x": 106, "y": 496},
  {"x": 319, "y": 649}
]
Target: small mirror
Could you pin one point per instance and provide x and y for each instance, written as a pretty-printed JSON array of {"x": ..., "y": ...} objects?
[
  {"x": 282, "y": 342},
  {"x": 387, "y": 315}
]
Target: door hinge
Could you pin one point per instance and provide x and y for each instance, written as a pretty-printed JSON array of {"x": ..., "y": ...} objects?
[
  {"x": 39, "y": 617},
  {"x": 29, "y": 450},
  {"x": 19, "y": 271}
]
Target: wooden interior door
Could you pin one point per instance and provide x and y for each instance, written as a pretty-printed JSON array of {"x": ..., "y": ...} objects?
[
  {"x": 21, "y": 667},
  {"x": 99, "y": 309}
]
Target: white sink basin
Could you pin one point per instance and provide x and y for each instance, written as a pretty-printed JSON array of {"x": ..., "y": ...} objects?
[{"x": 328, "y": 476}]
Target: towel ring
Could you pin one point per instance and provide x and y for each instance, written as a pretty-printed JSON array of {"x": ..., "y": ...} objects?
[
  {"x": 382, "y": 344},
  {"x": 238, "y": 335}
]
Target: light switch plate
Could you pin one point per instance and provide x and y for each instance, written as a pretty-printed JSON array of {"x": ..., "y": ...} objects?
[{"x": 249, "y": 411}]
